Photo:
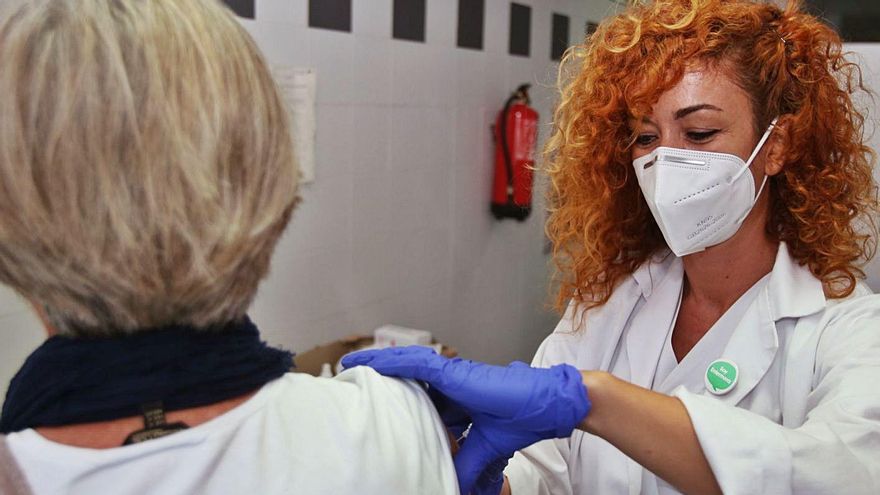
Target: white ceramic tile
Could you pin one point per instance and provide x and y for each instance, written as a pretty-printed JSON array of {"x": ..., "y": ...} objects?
[
  {"x": 372, "y": 74},
  {"x": 438, "y": 196},
  {"x": 419, "y": 308},
  {"x": 470, "y": 244},
  {"x": 299, "y": 335},
  {"x": 333, "y": 141},
  {"x": 372, "y": 214},
  {"x": 371, "y": 142},
  {"x": 445, "y": 63},
  {"x": 542, "y": 20},
  {"x": 300, "y": 12},
  {"x": 421, "y": 161},
  {"x": 471, "y": 141},
  {"x": 441, "y": 22},
  {"x": 408, "y": 205},
  {"x": 372, "y": 18},
  {"x": 20, "y": 333},
  {"x": 331, "y": 53},
  {"x": 313, "y": 286},
  {"x": 321, "y": 220},
  {"x": 276, "y": 10},
  {"x": 425, "y": 260},
  {"x": 441, "y": 121},
  {"x": 248, "y": 24},
  {"x": 375, "y": 268},
  {"x": 496, "y": 86},
  {"x": 442, "y": 148},
  {"x": 471, "y": 219},
  {"x": 281, "y": 43},
  {"x": 470, "y": 77},
  {"x": 497, "y": 28},
  {"x": 11, "y": 303},
  {"x": 414, "y": 75},
  {"x": 410, "y": 135},
  {"x": 472, "y": 181}
]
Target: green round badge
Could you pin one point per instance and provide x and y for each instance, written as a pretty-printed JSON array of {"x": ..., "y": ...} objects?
[{"x": 721, "y": 376}]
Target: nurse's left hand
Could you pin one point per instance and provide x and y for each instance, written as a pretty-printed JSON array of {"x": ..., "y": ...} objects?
[{"x": 511, "y": 406}]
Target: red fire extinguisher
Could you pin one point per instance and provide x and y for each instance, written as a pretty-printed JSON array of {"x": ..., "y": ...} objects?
[{"x": 515, "y": 132}]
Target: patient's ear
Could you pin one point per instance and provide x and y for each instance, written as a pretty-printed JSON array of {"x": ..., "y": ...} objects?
[{"x": 777, "y": 145}]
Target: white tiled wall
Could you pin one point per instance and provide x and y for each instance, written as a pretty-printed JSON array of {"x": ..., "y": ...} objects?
[
  {"x": 396, "y": 228},
  {"x": 868, "y": 57}
]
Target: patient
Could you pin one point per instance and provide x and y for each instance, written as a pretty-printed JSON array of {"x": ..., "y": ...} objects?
[{"x": 146, "y": 174}]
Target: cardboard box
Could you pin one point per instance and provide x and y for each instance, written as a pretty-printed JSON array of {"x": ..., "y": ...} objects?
[{"x": 311, "y": 361}]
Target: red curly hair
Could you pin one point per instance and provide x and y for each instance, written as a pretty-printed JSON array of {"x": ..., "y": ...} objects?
[{"x": 788, "y": 62}]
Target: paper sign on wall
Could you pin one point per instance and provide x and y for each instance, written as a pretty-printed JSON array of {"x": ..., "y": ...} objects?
[{"x": 298, "y": 88}]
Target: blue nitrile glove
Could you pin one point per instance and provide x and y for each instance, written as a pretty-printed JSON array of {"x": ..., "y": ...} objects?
[
  {"x": 456, "y": 418},
  {"x": 491, "y": 480},
  {"x": 511, "y": 406}
]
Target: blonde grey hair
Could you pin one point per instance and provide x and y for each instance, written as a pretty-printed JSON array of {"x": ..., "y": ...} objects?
[{"x": 146, "y": 165}]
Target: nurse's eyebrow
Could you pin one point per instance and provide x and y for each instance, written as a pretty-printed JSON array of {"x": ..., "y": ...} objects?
[{"x": 684, "y": 112}]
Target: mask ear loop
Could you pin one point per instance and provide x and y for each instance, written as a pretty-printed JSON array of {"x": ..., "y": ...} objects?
[{"x": 757, "y": 150}]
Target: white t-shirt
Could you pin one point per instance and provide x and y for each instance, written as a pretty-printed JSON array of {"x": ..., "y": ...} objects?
[{"x": 357, "y": 433}]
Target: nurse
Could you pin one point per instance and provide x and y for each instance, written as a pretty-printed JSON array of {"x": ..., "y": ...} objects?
[{"x": 711, "y": 200}]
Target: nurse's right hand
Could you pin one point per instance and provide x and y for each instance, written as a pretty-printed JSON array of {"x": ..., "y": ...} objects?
[{"x": 511, "y": 406}]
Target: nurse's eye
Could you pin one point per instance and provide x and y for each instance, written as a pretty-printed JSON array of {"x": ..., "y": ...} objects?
[
  {"x": 701, "y": 136},
  {"x": 645, "y": 139}
]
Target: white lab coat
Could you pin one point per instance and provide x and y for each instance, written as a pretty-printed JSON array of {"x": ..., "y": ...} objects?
[{"x": 803, "y": 418}]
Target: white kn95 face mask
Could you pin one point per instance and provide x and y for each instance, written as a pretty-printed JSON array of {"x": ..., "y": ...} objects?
[{"x": 698, "y": 198}]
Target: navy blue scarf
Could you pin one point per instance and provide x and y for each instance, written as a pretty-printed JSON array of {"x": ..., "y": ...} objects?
[{"x": 69, "y": 381}]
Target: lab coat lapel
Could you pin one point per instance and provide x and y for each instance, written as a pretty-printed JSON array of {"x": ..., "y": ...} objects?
[
  {"x": 607, "y": 322},
  {"x": 606, "y": 332},
  {"x": 752, "y": 347},
  {"x": 650, "y": 326},
  {"x": 791, "y": 292}
]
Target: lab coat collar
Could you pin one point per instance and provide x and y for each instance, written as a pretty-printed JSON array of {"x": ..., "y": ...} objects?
[
  {"x": 651, "y": 274},
  {"x": 792, "y": 290}
]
